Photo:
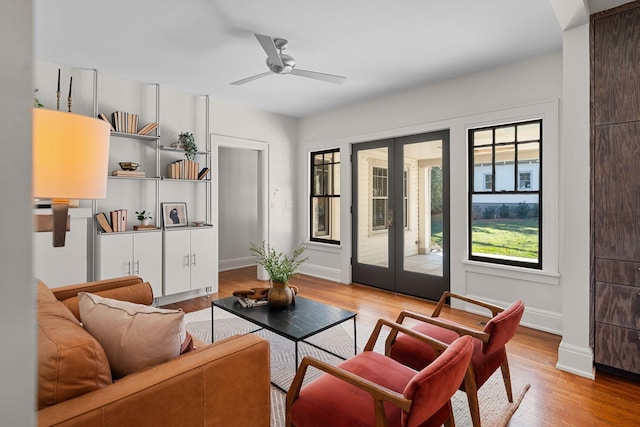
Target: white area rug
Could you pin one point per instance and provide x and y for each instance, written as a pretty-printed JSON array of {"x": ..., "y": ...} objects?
[{"x": 495, "y": 409}]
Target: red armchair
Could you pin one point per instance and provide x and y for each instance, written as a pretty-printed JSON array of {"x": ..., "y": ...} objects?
[
  {"x": 371, "y": 389},
  {"x": 489, "y": 351}
]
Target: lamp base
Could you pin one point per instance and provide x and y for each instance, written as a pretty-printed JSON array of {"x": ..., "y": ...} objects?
[{"x": 60, "y": 212}]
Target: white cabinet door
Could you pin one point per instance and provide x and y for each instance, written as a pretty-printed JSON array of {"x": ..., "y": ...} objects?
[
  {"x": 202, "y": 258},
  {"x": 114, "y": 255},
  {"x": 177, "y": 261},
  {"x": 147, "y": 259}
]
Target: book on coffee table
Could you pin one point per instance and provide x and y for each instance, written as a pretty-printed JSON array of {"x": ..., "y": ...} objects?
[{"x": 248, "y": 302}]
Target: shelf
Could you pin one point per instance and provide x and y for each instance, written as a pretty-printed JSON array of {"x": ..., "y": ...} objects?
[
  {"x": 180, "y": 150},
  {"x": 118, "y": 233},
  {"x": 135, "y": 136},
  {"x": 184, "y": 180},
  {"x": 135, "y": 178}
]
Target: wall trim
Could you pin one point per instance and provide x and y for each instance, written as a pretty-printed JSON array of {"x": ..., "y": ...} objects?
[
  {"x": 535, "y": 318},
  {"x": 576, "y": 360},
  {"x": 235, "y": 263},
  {"x": 321, "y": 272}
]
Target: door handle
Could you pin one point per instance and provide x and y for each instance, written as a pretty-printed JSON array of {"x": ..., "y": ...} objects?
[
  {"x": 137, "y": 271},
  {"x": 193, "y": 262},
  {"x": 186, "y": 260},
  {"x": 129, "y": 268},
  {"x": 390, "y": 218}
]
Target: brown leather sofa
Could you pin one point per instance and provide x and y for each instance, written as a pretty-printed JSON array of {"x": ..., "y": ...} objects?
[{"x": 221, "y": 384}]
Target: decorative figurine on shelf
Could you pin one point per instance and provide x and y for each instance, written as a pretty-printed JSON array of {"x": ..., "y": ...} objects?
[
  {"x": 187, "y": 142},
  {"x": 144, "y": 217}
]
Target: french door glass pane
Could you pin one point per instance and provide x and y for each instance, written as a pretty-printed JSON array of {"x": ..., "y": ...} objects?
[
  {"x": 373, "y": 211},
  {"x": 423, "y": 208}
]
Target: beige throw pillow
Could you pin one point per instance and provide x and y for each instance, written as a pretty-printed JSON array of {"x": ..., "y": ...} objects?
[{"x": 134, "y": 336}]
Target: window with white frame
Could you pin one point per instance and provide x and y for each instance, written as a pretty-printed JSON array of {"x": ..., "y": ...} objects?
[{"x": 379, "y": 198}]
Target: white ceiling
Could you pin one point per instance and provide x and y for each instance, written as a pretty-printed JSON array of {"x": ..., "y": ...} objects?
[{"x": 382, "y": 46}]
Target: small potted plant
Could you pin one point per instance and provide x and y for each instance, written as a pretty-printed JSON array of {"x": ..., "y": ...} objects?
[
  {"x": 187, "y": 142},
  {"x": 280, "y": 268},
  {"x": 144, "y": 217}
]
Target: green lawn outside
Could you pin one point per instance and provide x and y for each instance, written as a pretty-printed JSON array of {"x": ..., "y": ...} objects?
[{"x": 507, "y": 237}]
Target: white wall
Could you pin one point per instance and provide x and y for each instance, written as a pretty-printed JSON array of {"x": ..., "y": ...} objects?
[
  {"x": 280, "y": 133},
  {"x": 237, "y": 206},
  {"x": 17, "y": 305},
  {"x": 526, "y": 90}
]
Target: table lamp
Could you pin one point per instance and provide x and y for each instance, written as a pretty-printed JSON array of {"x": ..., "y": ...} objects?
[{"x": 70, "y": 161}]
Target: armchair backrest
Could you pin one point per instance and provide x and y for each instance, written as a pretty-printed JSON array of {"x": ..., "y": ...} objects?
[
  {"x": 503, "y": 327},
  {"x": 432, "y": 387}
]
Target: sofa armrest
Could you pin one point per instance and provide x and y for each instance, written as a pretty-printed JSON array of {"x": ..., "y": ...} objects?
[
  {"x": 70, "y": 291},
  {"x": 226, "y": 383},
  {"x": 128, "y": 288}
]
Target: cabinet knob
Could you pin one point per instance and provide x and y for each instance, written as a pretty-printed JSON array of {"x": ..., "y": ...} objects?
[
  {"x": 193, "y": 262},
  {"x": 129, "y": 268},
  {"x": 186, "y": 260},
  {"x": 137, "y": 267}
]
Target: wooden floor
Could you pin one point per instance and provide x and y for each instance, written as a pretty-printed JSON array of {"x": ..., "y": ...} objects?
[{"x": 556, "y": 398}]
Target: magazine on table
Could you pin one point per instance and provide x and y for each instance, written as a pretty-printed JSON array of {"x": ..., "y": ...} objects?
[{"x": 248, "y": 302}]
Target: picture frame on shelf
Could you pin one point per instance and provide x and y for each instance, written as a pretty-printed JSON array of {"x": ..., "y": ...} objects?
[{"x": 174, "y": 215}]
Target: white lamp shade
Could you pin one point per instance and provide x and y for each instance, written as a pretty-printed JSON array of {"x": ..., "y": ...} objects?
[{"x": 70, "y": 155}]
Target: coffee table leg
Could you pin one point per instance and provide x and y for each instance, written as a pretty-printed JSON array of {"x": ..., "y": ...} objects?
[
  {"x": 355, "y": 340},
  {"x": 212, "y": 324}
]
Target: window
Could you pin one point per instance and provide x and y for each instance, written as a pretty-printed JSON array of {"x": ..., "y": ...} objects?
[
  {"x": 488, "y": 181},
  {"x": 505, "y": 199},
  {"x": 405, "y": 198},
  {"x": 380, "y": 198},
  {"x": 325, "y": 196},
  {"x": 524, "y": 183}
]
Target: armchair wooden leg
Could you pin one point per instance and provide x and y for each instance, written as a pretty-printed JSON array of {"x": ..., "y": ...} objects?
[
  {"x": 450, "y": 422},
  {"x": 506, "y": 377},
  {"x": 471, "y": 388}
]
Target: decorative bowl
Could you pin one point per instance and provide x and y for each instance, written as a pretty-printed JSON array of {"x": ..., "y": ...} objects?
[{"x": 128, "y": 166}]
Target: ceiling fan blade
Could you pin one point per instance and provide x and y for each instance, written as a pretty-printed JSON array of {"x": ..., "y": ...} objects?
[
  {"x": 250, "y": 79},
  {"x": 269, "y": 47},
  {"x": 331, "y": 78}
]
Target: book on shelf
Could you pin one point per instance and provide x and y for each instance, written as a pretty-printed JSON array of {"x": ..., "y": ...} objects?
[
  {"x": 248, "y": 302},
  {"x": 135, "y": 174},
  {"x": 148, "y": 128},
  {"x": 123, "y": 219},
  {"x": 144, "y": 227},
  {"x": 183, "y": 169},
  {"x": 114, "y": 221},
  {"x": 104, "y": 222},
  {"x": 203, "y": 173},
  {"x": 104, "y": 117}
]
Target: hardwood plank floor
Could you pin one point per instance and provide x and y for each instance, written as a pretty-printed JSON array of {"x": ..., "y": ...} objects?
[{"x": 556, "y": 398}]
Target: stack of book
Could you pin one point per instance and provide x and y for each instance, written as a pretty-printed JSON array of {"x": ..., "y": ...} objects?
[
  {"x": 124, "y": 122},
  {"x": 186, "y": 169},
  {"x": 118, "y": 221}
]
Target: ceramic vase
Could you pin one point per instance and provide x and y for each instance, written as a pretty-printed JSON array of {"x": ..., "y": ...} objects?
[{"x": 280, "y": 295}]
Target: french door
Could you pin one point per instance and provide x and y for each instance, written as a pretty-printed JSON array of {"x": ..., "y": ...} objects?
[{"x": 400, "y": 213}]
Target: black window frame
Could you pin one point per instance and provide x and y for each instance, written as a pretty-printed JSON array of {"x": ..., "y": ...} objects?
[
  {"x": 516, "y": 175},
  {"x": 325, "y": 194}
]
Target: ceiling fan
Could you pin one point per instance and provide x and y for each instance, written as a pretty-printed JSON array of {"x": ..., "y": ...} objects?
[{"x": 279, "y": 63}]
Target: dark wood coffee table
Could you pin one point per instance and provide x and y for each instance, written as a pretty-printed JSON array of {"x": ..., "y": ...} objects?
[{"x": 299, "y": 321}]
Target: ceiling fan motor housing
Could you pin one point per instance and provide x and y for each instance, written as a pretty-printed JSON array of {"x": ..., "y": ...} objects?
[{"x": 288, "y": 62}]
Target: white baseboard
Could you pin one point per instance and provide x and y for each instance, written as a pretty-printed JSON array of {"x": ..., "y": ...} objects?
[
  {"x": 535, "y": 318},
  {"x": 232, "y": 264},
  {"x": 576, "y": 360},
  {"x": 170, "y": 299},
  {"x": 321, "y": 272}
]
